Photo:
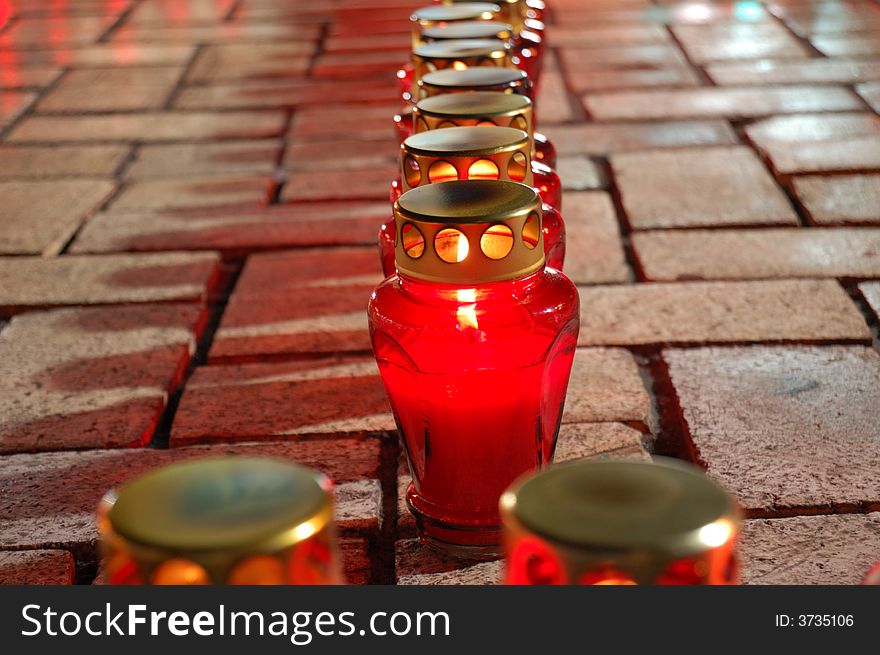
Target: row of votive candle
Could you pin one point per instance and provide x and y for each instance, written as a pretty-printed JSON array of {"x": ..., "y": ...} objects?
[{"x": 474, "y": 330}]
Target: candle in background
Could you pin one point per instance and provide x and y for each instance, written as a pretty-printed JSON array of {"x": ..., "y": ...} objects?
[
  {"x": 232, "y": 520},
  {"x": 434, "y": 16},
  {"x": 525, "y": 17},
  {"x": 474, "y": 153},
  {"x": 620, "y": 522},
  {"x": 474, "y": 338},
  {"x": 487, "y": 108}
]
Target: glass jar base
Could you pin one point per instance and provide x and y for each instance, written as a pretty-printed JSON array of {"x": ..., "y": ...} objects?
[{"x": 474, "y": 542}]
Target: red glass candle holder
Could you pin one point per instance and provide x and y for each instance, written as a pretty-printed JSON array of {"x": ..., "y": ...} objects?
[
  {"x": 620, "y": 523},
  {"x": 231, "y": 520},
  {"x": 475, "y": 153},
  {"x": 455, "y": 54},
  {"x": 474, "y": 338}
]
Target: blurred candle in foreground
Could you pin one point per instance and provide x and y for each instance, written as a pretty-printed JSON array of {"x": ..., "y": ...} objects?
[
  {"x": 233, "y": 520},
  {"x": 620, "y": 523}
]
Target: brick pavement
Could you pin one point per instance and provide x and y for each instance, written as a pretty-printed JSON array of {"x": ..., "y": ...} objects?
[{"x": 189, "y": 195}]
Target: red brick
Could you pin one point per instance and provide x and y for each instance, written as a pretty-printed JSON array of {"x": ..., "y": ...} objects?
[
  {"x": 281, "y": 304},
  {"x": 234, "y": 229},
  {"x": 357, "y": 64},
  {"x": 113, "y": 54},
  {"x": 835, "y": 549},
  {"x": 854, "y": 154},
  {"x": 161, "y": 12},
  {"x": 90, "y": 378},
  {"x": 110, "y": 89},
  {"x": 232, "y": 61},
  {"x": 83, "y": 279},
  {"x": 578, "y": 173},
  {"x": 757, "y": 254},
  {"x": 718, "y": 102},
  {"x": 36, "y": 567},
  {"x": 784, "y": 427},
  {"x": 562, "y": 35},
  {"x": 25, "y": 77},
  {"x": 599, "y": 441},
  {"x": 714, "y": 42},
  {"x": 607, "y": 80},
  {"x": 39, "y": 217},
  {"x": 396, "y": 41},
  {"x": 160, "y": 195},
  {"x": 576, "y": 60},
  {"x": 605, "y": 385},
  {"x": 263, "y": 94},
  {"x": 603, "y": 138},
  {"x": 356, "y": 565},
  {"x": 12, "y": 105},
  {"x": 150, "y": 127},
  {"x": 341, "y": 154},
  {"x": 719, "y": 312},
  {"x": 364, "y": 184},
  {"x": 806, "y": 19},
  {"x": 699, "y": 187},
  {"x": 840, "y": 198},
  {"x": 846, "y": 45},
  {"x": 59, "y": 30},
  {"x": 870, "y": 91},
  {"x": 812, "y": 127},
  {"x": 203, "y": 159},
  {"x": 226, "y": 32},
  {"x": 18, "y": 161},
  {"x": 49, "y": 499},
  {"x": 594, "y": 253},
  {"x": 345, "y": 121},
  {"x": 251, "y": 401},
  {"x": 808, "y": 71}
]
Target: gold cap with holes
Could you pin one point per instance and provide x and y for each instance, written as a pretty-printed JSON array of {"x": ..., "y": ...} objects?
[
  {"x": 619, "y": 522},
  {"x": 230, "y": 520},
  {"x": 468, "y": 232},
  {"x": 465, "y": 153},
  {"x": 459, "y": 54},
  {"x": 468, "y": 30},
  {"x": 501, "y": 80},
  {"x": 514, "y": 12},
  {"x": 440, "y": 15}
]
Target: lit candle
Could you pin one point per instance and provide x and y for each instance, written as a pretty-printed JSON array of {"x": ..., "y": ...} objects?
[
  {"x": 620, "y": 522},
  {"x": 475, "y": 153},
  {"x": 232, "y": 520},
  {"x": 474, "y": 338}
]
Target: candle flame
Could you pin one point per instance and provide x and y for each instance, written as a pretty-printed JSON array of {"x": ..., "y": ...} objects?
[{"x": 467, "y": 313}]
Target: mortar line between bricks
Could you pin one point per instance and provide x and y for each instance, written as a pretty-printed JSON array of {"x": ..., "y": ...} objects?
[
  {"x": 162, "y": 434},
  {"x": 624, "y": 227},
  {"x": 832, "y": 509},
  {"x": 280, "y": 175},
  {"x": 671, "y": 435},
  {"x": 29, "y": 110},
  {"x": 700, "y": 73},
  {"x": 813, "y": 51},
  {"x": 233, "y": 10},
  {"x": 122, "y": 18},
  {"x": 181, "y": 83},
  {"x": 851, "y": 286},
  {"x": 578, "y": 108}
]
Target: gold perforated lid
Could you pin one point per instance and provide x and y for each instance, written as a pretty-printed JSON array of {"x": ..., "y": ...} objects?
[
  {"x": 466, "y": 153},
  {"x": 477, "y": 108},
  {"x": 468, "y": 30},
  {"x": 662, "y": 507},
  {"x": 232, "y": 505},
  {"x": 439, "y": 15},
  {"x": 503, "y": 80},
  {"x": 514, "y": 12},
  {"x": 468, "y": 232}
]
